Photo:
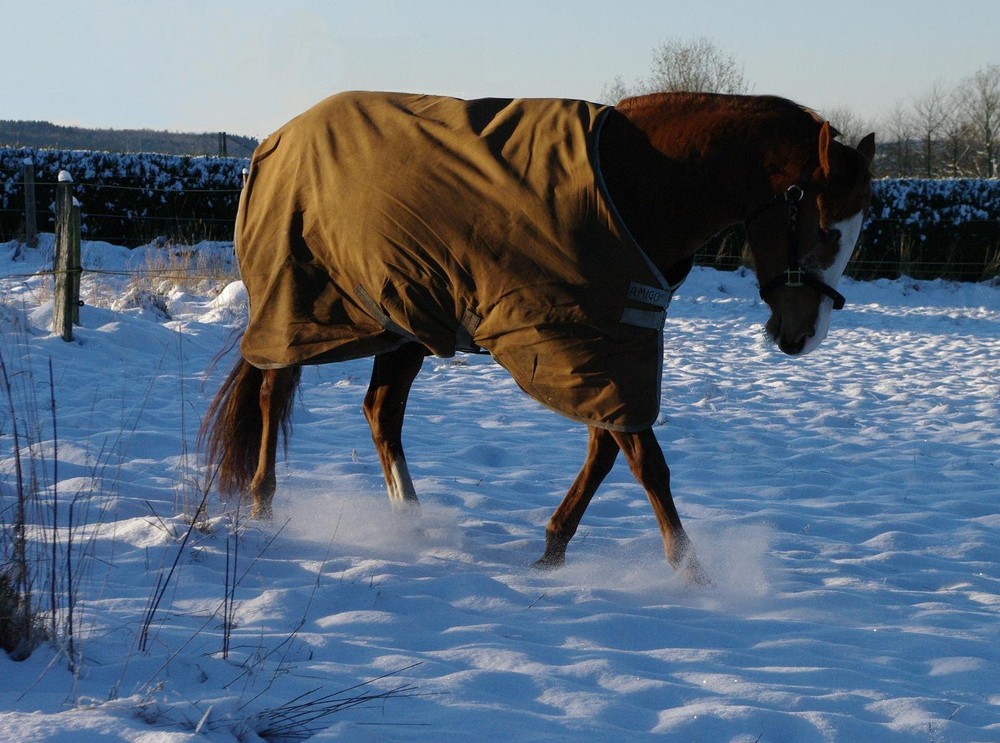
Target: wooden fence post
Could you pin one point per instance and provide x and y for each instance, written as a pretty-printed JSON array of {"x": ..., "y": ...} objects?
[
  {"x": 66, "y": 310},
  {"x": 30, "y": 215}
]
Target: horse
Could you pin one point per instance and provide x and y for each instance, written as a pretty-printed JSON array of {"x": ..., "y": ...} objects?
[{"x": 670, "y": 171}]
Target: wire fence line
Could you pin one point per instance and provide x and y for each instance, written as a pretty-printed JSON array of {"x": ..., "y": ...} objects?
[
  {"x": 178, "y": 274},
  {"x": 891, "y": 248},
  {"x": 726, "y": 252},
  {"x": 734, "y": 256}
]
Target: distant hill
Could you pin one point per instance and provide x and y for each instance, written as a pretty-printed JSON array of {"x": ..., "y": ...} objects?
[{"x": 42, "y": 134}]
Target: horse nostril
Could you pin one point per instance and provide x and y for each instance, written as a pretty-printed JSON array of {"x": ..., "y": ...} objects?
[{"x": 794, "y": 347}]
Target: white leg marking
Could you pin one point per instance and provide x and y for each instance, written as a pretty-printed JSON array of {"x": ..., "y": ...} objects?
[{"x": 400, "y": 483}]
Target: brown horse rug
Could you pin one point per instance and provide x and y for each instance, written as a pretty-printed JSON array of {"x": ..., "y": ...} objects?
[{"x": 374, "y": 218}]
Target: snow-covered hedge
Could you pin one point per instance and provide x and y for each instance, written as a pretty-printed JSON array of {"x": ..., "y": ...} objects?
[
  {"x": 931, "y": 228},
  {"x": 127, "y": 198},
  {"x": 923, "y": 227},
  {"x": 922, "y": 202}
]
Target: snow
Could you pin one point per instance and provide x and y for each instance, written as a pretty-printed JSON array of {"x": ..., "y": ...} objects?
[{"x": 844, "y": 503}]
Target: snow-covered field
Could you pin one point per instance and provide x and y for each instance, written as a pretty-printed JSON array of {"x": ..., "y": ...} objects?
[{"x": 847, "y": 506}]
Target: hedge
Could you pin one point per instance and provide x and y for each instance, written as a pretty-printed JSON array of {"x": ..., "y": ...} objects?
[{"x": 128, "y": 199}]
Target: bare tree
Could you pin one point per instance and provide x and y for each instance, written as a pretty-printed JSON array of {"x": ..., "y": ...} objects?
[
  {"x": 696, "y": 65},
  {"x": 981, "y": 93},
  {"x": 846, "y": 121},
  {"x": 899, "y": 134},
  {"x": 956, "y": 137},
  {"x": 616, "y": 90},
  {"x": 930, "y": 114}
]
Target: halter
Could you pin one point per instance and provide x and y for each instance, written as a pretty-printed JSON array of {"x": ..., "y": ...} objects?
[{"x": 795, "y": 276}]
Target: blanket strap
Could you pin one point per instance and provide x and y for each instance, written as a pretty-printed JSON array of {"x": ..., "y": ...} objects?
[
  {"x": 464, "y": 334},
  {"x": 379, "y": 315},
  {"x": 466, "y": 331},
  {"x": 652, "y": 319}
]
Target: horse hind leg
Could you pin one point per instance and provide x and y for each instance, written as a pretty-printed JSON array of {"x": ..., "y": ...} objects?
[
  {"x": 277, "y": 391},
  {"x": 393, "y": 373},
  {"x": 602, "y": 450}
]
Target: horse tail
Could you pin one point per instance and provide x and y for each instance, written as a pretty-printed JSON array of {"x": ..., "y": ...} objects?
[{"x": 231, "y": 432}]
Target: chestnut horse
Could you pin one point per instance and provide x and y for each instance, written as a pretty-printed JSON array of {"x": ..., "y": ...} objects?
[{"x": 679, "y": 167}]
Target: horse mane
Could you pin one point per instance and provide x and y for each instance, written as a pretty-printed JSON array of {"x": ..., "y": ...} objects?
[{"x": 680, "y": 102}]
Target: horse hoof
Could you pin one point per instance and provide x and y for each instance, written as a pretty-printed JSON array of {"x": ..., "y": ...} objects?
[
  {"x": 263, "y": 513},
  {"x": 695, "y": 576},
  {"x": 548, "y": 563},
  {"x": 405, "y": 507}
]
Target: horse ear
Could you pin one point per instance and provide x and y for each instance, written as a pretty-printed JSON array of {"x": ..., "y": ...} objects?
[
  {"x": 825, "y": 137},
  {"x": 866, "y": 148}
]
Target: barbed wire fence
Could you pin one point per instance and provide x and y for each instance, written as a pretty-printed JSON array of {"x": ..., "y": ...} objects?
[
  {"x": 67, "y": 268},
  {"x": 891, "y": 248}
]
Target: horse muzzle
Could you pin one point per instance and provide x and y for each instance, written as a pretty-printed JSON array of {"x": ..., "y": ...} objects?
[{"x": 795, "y": 346}]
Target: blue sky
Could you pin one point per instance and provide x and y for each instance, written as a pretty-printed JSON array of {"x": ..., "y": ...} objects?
[{"x": 247, "y": 66}]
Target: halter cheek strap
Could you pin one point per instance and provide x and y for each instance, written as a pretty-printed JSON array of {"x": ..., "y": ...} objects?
[{"x": 795, "y": 276}]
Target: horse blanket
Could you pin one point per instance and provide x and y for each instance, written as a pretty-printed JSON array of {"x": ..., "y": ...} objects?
[{"x": 373, "y": 219}]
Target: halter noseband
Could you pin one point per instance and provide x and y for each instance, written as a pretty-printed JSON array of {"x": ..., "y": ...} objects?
[{"x": 795, "y": 276}]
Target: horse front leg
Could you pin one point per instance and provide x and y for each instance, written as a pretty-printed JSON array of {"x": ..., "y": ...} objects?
[
  {"x": 602, "y": 450},
  {"x": 384, "y": 406},
  {"x": 645, "y": 459}
]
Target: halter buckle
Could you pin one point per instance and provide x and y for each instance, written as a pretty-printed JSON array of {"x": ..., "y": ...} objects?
[
  {"x": 794, "y": 193},
  {"x": 794, "y": 277}
]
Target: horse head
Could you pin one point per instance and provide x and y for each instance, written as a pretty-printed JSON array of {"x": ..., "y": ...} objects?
[{"x": 803, "y": 238}]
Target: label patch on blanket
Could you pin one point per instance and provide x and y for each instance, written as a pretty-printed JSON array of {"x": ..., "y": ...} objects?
[{"x": 649, "y": 295}]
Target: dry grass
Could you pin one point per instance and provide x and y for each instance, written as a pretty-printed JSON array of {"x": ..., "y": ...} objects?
[{"x": 165, "y": 270}]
